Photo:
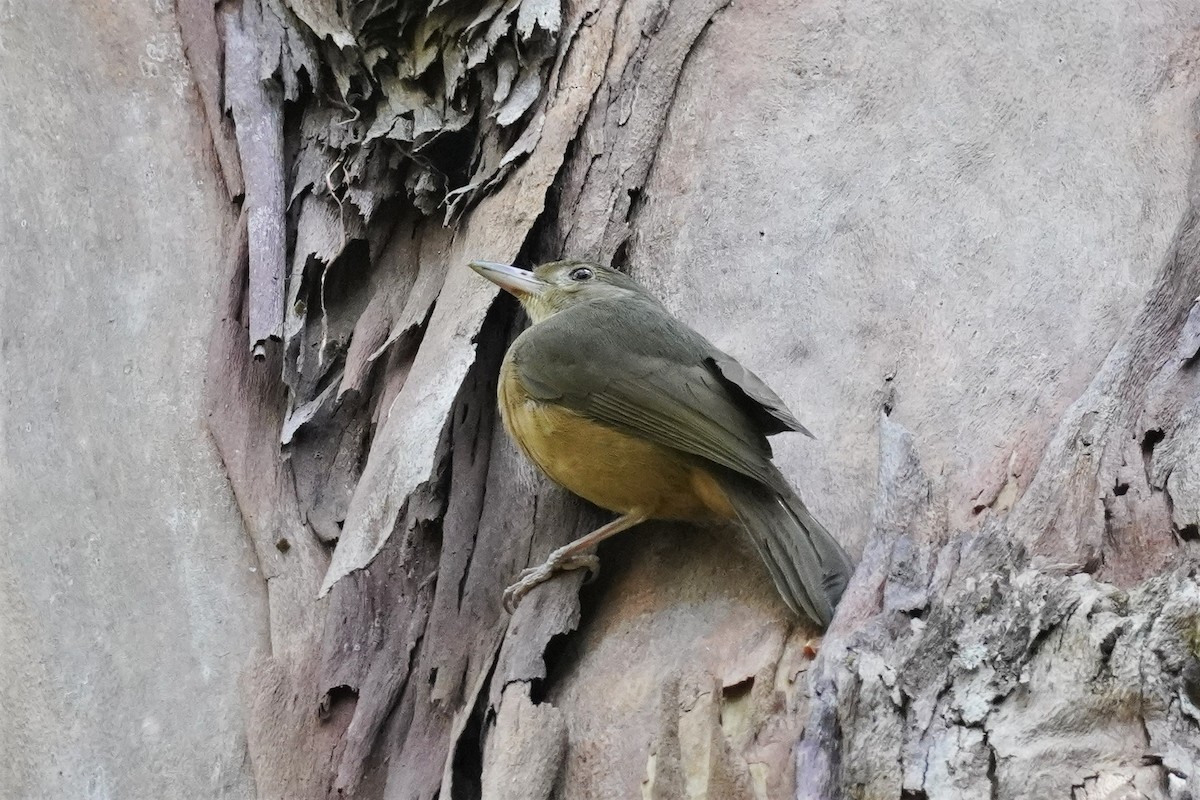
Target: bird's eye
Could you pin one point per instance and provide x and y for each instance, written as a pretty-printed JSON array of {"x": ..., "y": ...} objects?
[{"x": 581, "y": 274}]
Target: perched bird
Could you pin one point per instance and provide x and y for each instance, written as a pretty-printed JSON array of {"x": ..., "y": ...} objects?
[{"x": 631, "y": 409}]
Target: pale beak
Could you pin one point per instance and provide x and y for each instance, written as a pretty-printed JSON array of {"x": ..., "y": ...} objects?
[{"x": 509, "y": 278}]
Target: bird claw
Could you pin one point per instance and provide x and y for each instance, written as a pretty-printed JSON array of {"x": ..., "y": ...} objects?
[
  {"x": 534, "y": 576},
  {"x": 591, "y": 564}
]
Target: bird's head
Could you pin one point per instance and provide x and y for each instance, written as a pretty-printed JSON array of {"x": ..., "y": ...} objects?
[{"x": 557, "y": 286}]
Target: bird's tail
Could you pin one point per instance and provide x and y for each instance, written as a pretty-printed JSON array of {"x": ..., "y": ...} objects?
[{"x": 809, "y": 567}]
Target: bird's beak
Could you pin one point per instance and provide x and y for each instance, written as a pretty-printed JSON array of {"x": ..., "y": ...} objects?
[{"x": 511, "y": 279}]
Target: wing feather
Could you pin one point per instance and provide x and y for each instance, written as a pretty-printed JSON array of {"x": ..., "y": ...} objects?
[{"x": 648, "y": 377}]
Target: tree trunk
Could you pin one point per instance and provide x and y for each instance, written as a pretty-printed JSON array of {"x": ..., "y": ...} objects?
[
  {"x": 128, "y": 592},
  {"x": 961, "y": 241}
]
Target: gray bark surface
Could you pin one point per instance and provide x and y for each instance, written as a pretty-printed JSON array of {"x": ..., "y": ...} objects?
[
  {"x": 129, "y": 597},
  {"x": 959, "y": 240},
  {"x": 960, "y": 243}
]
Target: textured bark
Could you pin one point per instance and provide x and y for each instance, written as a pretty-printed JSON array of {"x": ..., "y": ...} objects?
[{"x": 963, "y": 245}]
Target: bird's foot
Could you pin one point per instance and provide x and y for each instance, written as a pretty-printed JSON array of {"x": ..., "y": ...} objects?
[{"x": 558, "y": 561}]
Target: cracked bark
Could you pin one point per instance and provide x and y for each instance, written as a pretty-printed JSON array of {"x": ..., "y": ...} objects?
[{"x": 1025, "y": 619}]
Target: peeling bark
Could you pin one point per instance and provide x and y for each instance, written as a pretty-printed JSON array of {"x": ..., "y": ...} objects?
[
  {"x": 257, "y": 109},
  {"x": 1023, "y": 622},
  {"x": 1050, "y": 643}
]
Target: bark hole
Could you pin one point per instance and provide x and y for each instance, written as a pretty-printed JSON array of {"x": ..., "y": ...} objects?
[
  {"x": 556, "y": 657},
  {"x": 335, "y": 697},
  {"x": 1150, "y": 440}
]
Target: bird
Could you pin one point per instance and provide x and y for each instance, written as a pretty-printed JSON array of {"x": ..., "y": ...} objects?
[{"x": 623, "y": 404}]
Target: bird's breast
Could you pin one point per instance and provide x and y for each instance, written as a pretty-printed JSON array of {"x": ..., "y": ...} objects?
[{"x": 611, "y": 468}]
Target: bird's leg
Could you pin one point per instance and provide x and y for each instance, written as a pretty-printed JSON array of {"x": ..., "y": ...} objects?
[{"x": 569, "y": 556}]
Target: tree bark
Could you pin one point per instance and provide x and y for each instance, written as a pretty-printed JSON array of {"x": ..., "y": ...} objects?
[
  {"x": 961, "y": 242},
  {"x": 129, "y": 596}
]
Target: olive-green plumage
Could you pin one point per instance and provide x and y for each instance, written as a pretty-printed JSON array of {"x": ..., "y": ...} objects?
[{"x": 631, "y": 409}]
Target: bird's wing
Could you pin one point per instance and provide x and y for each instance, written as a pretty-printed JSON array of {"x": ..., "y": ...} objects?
[
  {"x": 767, "y": 408},
  {"x": 647, "y": 376}
]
